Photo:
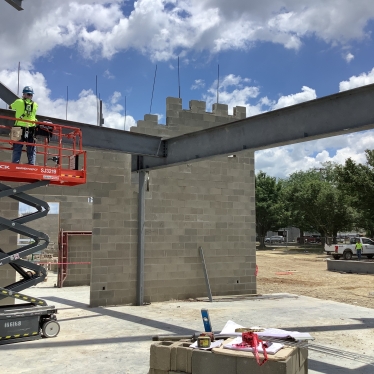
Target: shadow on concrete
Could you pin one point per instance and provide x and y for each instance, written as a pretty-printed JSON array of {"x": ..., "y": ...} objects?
[
  {"x": 75, "y": 318},
  {"x": 55, "y": 343},
  {"x": 323, "y": 367},
  {"x": 366, "y": 323},
  {"x": 174, "y": 329}
]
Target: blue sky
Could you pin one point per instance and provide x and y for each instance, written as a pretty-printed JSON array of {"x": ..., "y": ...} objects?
[
  {"x": 271, "y": 54},
  {"x": 23, "y": 208}
]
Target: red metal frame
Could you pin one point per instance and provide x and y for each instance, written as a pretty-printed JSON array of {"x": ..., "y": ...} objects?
[
  {"x": 63, "y": 250},
  {"x": 66, "y": 145}
]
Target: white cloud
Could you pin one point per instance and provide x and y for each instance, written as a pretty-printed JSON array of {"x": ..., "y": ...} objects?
[
  {"x": 164, "y": 29},
  {"x": 283, "y": 161},
  {"x": 354, "y": 81},
  {"x": 234, "y": 91},
  {"x": 84, "y": 109},
  {"x": 107, "y": 74},
  {"x": 199, "y": 83},
  {"x": 349, "y": 57},
  {"x": 306, "y": 95}
]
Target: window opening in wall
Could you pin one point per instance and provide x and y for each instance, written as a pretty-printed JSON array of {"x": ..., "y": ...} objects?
[
  {"x": 90, "y": 199},
  {"x": 24, "y": 209},
  {"x": 50, "y": 225}
]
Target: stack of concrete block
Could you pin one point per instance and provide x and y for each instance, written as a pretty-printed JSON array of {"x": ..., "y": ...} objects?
[
  {"x": 168, "y": 357},
  {"x": 221, "y": 109}
]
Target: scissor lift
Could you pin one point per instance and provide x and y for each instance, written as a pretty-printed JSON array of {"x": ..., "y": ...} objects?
[{"x": 63, "y": 163}]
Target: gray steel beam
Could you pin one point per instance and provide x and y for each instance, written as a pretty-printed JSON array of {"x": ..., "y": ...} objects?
[
  {"x": 103, "y": 137},
  {"x": 7, "y": 95},
  {"x": 342, "y": 113},
  {"x": 95, "y": 136},
  {"x": 15, "y": 4}
]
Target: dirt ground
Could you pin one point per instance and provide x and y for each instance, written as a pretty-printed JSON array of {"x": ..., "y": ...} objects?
[{"x": 305, "y": 273}]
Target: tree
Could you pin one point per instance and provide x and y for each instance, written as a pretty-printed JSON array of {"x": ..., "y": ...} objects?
[
  {"x": 269, "y": 205},
  {"x": 357, "y": 181},
  {"x": 316, "y": 204}
]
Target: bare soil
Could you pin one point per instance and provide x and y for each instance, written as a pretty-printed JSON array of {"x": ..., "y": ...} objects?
[{"x": 305, "y": 273}]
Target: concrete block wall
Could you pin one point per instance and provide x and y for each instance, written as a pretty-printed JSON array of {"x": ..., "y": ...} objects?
[
  {"x": 208, "y": 204},
  {"x": 75, "y": 214},
  {"x": 111, "y": 218},
  {"x": 113, "y": 225},
  {"x": 79, "y": 274}
]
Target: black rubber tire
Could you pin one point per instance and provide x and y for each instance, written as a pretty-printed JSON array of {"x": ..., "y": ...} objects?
[
  {"x": 50, "y": 328},
  {"x": 347, "y": 255},
  {"x": 369, "y": 256},
  {"x": 336, "y": 257}
]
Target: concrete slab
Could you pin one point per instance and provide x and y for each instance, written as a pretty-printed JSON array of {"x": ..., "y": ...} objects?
[{"x": 118, "y": 339}]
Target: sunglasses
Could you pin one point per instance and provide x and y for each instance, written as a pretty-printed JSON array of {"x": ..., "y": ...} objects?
[{"x": 29, "y": 94}]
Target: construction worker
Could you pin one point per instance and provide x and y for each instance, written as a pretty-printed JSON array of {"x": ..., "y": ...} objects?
[
  {"x": 25, "y": 109},
  {"x": 358, "y": 248}
]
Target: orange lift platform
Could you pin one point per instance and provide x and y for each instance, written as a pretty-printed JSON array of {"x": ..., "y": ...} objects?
[
  {"x": 60, "y": 157},
  {"x": 60, "y": 161}
]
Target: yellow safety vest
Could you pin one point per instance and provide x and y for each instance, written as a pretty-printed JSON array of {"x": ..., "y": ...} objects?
[{"x": 26, "y": 109}]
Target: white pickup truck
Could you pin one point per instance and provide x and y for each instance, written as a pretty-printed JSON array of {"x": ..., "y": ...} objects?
[{"x": 347, "y": 251}]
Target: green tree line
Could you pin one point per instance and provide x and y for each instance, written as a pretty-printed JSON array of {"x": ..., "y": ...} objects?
[{"x": 328, "y": 200}]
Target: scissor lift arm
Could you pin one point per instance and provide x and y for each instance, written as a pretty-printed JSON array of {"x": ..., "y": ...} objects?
[{"x": 33, "y": 318}]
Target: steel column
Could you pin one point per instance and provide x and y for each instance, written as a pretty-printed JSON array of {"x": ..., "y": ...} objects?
[{"x": 141, "y": 239}]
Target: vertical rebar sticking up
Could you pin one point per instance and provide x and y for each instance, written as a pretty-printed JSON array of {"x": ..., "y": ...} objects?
[
  {"x": 101, "y": 118},
  {"x": 154, "y": 81},
  {"x": 218, "y": 86},
  {"x": 179, "y": 82}
]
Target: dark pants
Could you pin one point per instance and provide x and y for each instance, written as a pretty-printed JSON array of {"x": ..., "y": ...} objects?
[
  {"x": 30, "y": 149},
  {"x": 359, "y": 254}
]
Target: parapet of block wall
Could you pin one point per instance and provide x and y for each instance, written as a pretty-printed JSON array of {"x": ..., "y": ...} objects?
[{"x": 187, "y": 119}]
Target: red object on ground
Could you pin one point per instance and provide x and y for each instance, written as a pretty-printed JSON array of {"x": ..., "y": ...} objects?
[{"x": 251, "y": 340}]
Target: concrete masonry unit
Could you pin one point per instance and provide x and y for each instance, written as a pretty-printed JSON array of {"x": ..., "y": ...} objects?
[
  {"x": 357, "y": 267},
  {"x": 168, "y": 357},
  {"x": 208, "y": 204}
]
